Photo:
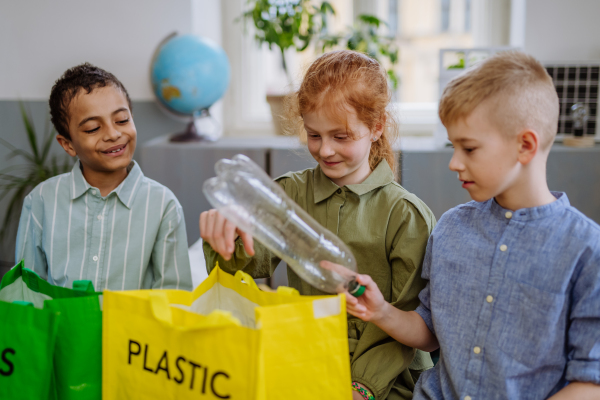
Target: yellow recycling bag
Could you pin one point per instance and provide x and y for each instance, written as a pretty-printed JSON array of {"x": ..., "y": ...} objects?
[{"x": 225, "y": 340}]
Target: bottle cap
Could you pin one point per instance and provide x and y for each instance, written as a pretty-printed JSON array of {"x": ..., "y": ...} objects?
[
  {"x": 360, "y": 289},
  {"x": 355, "y": 288}
]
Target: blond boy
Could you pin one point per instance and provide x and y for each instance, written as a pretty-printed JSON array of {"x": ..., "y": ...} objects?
[{"x": 513, "y": 298}]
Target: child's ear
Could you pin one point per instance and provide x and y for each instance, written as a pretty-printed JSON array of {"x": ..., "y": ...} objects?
[
  {"x": 379, "y": 127},
  {"x": 66, "y": 144},
  {"x": 529, "y": 143}
]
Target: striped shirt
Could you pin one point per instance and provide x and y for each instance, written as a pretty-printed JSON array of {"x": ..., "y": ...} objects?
[{"x": 134, "y": 238}]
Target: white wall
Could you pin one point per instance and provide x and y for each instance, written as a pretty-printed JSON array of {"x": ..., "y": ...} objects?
[
  {"x": 563, "y": 30},
  {"x": 40, "y": 39}
]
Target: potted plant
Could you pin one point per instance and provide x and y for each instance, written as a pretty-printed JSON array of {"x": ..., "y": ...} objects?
[
  {"x": 286, "y": 24},
  {"x": 363, "y": 37},
  {"x": 298, "y": 23},
  {"x": 19, "y": 180}
]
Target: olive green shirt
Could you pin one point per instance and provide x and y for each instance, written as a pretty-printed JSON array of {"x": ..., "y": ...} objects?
[{"x": 387, "y": 228}]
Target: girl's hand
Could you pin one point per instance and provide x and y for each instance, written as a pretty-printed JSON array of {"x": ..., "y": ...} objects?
[
  {"x": 221, "y": 234},
  {"x": 371, "y": 306}
]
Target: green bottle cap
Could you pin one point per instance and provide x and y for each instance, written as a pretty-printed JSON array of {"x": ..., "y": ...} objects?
[
  {"x": 359, "y": 291},
  {"x": 355, "y": 288}
]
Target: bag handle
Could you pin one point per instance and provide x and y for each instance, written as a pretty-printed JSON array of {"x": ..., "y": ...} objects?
[
  {"x": 159, "y": 303},
  {"x": 31, "y": 279},
  {"x": 241, "y": 275},
  {"x": 287, "y": 291},
  {"x": 83, "y": 286}
]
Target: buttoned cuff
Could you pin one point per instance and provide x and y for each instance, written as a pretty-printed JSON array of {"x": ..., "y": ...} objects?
[
  {"x": 583, "y": 371},
  {"x": 425, "y": 313}
]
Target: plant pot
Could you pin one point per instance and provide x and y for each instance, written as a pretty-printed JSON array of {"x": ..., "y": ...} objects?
[{"x": 276, "y": 104}]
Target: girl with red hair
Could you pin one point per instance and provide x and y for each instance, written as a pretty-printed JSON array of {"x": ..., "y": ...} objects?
[{"x": 342, "y": 109}]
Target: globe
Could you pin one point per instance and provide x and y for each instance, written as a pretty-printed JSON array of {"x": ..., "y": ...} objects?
[{"x": 189, "y": 73}]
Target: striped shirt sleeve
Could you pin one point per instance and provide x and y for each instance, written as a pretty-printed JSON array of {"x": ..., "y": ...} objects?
[
  {"x": 29, "y": 237},
  {"x": 170, "y": 257}
]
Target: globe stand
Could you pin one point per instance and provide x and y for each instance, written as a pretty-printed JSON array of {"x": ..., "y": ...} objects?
[{"x": 190, "y": 135}]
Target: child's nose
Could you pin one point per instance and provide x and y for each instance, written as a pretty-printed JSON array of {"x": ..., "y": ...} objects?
[
  {"x": 326, "y": 149},
  {"x": 113, "y": 134},
  {"x": 455, "y": 164}
]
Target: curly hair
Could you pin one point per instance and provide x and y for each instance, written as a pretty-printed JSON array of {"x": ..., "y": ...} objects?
[
  {"x": 84, "y": 76},
  {"x": 345, "y": 79}
]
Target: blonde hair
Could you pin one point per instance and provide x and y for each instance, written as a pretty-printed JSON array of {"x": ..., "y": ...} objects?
[
  {"x": 341, "y": 79},
  {"x": 520, "y": 91}
]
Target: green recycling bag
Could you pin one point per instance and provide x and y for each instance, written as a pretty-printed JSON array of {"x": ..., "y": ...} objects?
[
  {"x": 78, "y": 352},
  {"x": 27, "y": 344}
]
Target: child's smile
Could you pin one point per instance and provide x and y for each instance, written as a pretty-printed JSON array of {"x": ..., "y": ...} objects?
[
  {"x": 116, "y": 151},
  {"x": 341, "y": 149},
  {"x": 103, "y": 134}
]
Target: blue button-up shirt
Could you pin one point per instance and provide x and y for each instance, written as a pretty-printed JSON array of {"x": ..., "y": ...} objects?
[{"x": 514, "y": 301}]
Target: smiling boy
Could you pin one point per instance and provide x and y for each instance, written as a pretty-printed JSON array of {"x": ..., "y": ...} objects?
[
  {"x": 104, "y": 221},
  {"x": 513, "y": 293}
]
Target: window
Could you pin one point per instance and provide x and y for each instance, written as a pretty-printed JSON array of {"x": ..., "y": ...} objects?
[{"x": 422, "y": 28}]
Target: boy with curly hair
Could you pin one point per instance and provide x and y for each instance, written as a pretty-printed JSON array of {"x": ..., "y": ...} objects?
[{"x": 104, "y": 221}]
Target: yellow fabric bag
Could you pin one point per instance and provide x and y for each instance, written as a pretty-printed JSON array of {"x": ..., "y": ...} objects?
[{"x": 225, "y": 340}]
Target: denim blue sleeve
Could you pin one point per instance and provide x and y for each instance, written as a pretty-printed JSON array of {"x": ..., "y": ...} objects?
[
  {"x": 584, "y": 332},
  {"x": 424, "y": 309}
]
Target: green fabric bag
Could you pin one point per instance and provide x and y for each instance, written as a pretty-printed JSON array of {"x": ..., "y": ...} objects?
[
  {"x": 27, "y": 345},
  {"x": 78, "y": 351}
]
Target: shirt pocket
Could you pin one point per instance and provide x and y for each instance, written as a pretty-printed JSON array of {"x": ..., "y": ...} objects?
[{"x": 534, "y": 326}]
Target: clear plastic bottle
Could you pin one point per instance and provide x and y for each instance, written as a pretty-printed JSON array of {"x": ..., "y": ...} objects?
[{"x": 248, "y": 197}]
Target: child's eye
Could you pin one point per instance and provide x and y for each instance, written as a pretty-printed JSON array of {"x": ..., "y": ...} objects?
[
  {"x": 313, "y": 136},
  {"x": 469, "y": 150},
  {"x": 341, "y": 137},
  {"x": 123, "y": 122},
  {"x": 92, "y": 130}
]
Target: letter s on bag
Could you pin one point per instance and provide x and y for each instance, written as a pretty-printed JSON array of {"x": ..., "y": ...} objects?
[{"x": 11, "y": 366}]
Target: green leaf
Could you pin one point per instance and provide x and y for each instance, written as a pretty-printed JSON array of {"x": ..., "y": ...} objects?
[
  {"x": 327, "y": 7},
  {"x": 17, "y": 152},
  {"x": 369, "y": 19},
  {"x": 48, "y": 139},
  {"x": 30, "y": 131}
]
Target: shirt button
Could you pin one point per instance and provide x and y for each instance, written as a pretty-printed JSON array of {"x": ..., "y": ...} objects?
[
  {"x": 99, "y": 217},
  {"x": 95, "y": 258},
  {"x": 489, "y": 299},
  {"x": 508, "y": 214},
  {"x": 339, "y": 191},
  {"x": 94, "y": 192},
  {"x": 467, "y": 398},
  {"x": 503, "y": 247},
  {"x": 476, "y": 349}
]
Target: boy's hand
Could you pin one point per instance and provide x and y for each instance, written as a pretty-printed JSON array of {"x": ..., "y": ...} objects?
[
  {"x": 407, "y": 327},
  {"x": 367, "y": 307},
  {"x": 221, "y": 234},
  {"x": 371, "y": 305}
]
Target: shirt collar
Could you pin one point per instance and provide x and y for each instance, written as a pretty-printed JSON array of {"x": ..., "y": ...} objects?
[
  {"x": 125, "y": 191},
  {"x": 529, "y": 214},
  {"x": 325, "y": 188}
]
